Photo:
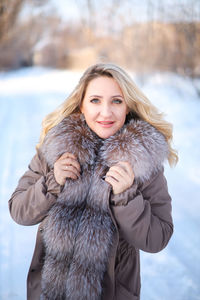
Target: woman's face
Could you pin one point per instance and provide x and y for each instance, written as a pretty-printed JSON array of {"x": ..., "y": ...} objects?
[{"x": 104, "y": 106}]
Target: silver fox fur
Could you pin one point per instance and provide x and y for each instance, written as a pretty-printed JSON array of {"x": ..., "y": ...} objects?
[{"x": 78, "y": 231}]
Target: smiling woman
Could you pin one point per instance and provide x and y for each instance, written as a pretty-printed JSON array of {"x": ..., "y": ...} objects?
[
  {"x": 104, "y": 106},
  {"x": 97, "y": 188}
]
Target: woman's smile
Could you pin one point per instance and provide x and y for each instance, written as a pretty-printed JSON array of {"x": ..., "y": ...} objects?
[{"x": 106, "y": 124}]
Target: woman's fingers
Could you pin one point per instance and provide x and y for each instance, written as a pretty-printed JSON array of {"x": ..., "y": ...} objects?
[
  {"x": 70, "y": 174},
  {"x": 126, "y": 167},
  {"x": 67, "y": 155},
  {"x": 120, "y": 172},
  {"x": 66, "y": 166},
  {"x": 70, "y": 169},
  {"x": 120, "y": 176},
  {"x": 71, "y": 162},
  {"x": 70, "y": 159}
]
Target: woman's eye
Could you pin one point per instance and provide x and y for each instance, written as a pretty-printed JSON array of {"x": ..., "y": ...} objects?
[
  {"x": 95, "y": 100},
  {"x": 117, "y": 101}
]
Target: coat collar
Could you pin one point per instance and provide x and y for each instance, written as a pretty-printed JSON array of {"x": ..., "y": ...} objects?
[{"x": 137, "y": 142}]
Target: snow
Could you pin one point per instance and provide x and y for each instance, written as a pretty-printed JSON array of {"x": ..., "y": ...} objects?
[{"x": 26, "y": 96}]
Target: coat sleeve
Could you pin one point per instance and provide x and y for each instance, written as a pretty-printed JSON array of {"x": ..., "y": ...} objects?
[
  {"x": 145, "y": 221},
  {"x": 35, "y": 194}
]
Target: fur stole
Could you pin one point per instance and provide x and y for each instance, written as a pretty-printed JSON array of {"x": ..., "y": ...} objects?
[{"x": 78, "y": 231}]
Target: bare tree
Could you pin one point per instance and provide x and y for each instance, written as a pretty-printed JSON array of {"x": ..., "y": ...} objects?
[
  {"x": 9, "y": 12},
  {"x": 18, "y": 36}
]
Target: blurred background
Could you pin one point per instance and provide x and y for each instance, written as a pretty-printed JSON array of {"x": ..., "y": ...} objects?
[
  {"x": 142, "y": 35},
  {"x": 44, "y": 47}
]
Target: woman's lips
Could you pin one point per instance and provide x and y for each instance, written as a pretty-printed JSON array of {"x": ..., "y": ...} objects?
[{"x": 105, "y": 124}]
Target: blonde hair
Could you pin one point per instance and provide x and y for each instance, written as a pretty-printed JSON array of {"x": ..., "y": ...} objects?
[{"x": 137, "y": 102}]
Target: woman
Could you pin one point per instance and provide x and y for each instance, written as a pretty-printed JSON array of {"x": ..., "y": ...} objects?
[{"x": 97, "y": 188}]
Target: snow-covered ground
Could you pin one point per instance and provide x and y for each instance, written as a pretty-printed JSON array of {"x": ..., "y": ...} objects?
[{"x": 26, "y": 96}]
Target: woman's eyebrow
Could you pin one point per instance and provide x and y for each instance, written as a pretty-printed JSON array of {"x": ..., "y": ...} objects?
[
  {"x": 98, "y": 96},
  {"x": 117, "y": 96}
]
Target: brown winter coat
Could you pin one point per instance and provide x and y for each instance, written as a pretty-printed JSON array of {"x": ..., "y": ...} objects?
[{"x": 142, "y": 216}]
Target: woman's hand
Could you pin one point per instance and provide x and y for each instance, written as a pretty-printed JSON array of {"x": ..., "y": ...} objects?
[
  {"x": 120, "y": 176},
  {"x": 66, "y": 166}
]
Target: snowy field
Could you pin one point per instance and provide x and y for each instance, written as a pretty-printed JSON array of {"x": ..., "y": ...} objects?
[{"x": 26, "y": 96}]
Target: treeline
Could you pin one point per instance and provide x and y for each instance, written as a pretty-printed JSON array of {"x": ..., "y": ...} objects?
[
  {"x": 162, "y": 46},
  {"x": 141, "y": 46}
]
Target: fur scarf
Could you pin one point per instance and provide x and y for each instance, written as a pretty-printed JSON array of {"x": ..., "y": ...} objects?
[{"x": 78, "y": 231}]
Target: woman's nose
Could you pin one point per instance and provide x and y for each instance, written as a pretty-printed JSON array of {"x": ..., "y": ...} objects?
[{"x": 106, "y": 110}]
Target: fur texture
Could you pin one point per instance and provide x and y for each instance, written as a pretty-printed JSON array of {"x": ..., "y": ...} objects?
[{"x": 78, "y": 231}]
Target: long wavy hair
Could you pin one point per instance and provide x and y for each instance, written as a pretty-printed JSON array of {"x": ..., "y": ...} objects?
[{"x": 139, "y": 105}]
